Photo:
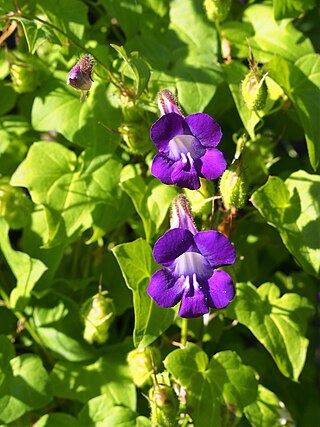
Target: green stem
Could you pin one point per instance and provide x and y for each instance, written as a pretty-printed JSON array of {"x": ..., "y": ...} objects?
[{"x": 184, "y": 332}]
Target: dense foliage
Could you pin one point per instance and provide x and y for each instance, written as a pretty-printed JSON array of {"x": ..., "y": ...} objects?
[{"x": 81, "y": 341}]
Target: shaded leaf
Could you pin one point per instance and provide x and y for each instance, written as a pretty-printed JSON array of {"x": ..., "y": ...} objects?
[
  {"x": 27, "y": 270},
  {"x": 109, "y": 376},
  {"x": 292, "y": 207},
  {"x": 285, "y": 9}
]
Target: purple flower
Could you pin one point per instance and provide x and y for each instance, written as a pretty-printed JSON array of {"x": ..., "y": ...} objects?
[
  {"x": 190, "y": 259},
  {"x": 79, "y": 77},
  {"x": 186, "y": 145}
]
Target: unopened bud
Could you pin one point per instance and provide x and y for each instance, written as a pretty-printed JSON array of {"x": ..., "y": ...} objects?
[
  {"x": 164, "y": 406},
  {"x": 79, "y": 77},
  {"x": 15, "y": 206},
  {"x": 98, "y": 312},
  {"x": 141, "y": 362},
  {"x": 234, "y": 187},
  {"x": 217, "y": 10},
  {"x": 168, "y": 103},
  {"x": 181, "y": 216},
  {"x": 136, "y": 137},
  {"x": 254, "y": 90}
]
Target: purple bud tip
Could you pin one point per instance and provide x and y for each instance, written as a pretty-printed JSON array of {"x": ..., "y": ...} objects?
[
  {"x": 79, "y": 76},
  {"x": 181, "y": 216},
  {"x": 168, "y": 103}
]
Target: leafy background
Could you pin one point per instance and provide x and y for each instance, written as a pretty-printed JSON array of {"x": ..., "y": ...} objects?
[{"x": 79, "y": 206}]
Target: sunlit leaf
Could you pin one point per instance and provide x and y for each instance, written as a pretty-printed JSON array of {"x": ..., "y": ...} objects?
[
  {"x": 223, "y": 381},
  {"x": 137, "y": 265},
  {"x": 279, "y": 323}
]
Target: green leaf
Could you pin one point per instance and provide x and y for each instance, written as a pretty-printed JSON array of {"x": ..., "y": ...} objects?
[
  {"x": 301, "y": 83},
  {"x": 45, "y": 163},
  {"x": 265, "y": 36},
  {"x": 137, "y": 265},
  {"x": 127, "y": 14},
  {"x": 279, "y": 323},
  {"x": 142, "y": 74},
  {"x": 69, "y": 189},
  {"x": 223, "y": 381},
  {"x": 109, "y": 376},
  {"x": 57, "y": 107},
  {"x": 57, "y": 419},
  {"x": 36, "y": 33},
  {"x": 290, "y": 207},
  {"x": 196, "y": 85},
  {"x": 286, "y": 9},
  {"x": 9, "y": 97},
  {"x": 236, "y": 382},
  {"x": 98, "y": 412},
  {"x": 271, "y": 37},
  {"x": 70, "y": 17},
  {"x": 151, "y": 202},
  {"x": 25, "y": 388},
  {"x": 7, "y": 352},
  {"x": 139, "y": 67},
  {"x": 235, "y": 73},
  {"x": 268, "y": 410},
  {"x": 188, "y": 21},
  {"x": 59, "y": 325},
  {"x": 27, "y": 270}
]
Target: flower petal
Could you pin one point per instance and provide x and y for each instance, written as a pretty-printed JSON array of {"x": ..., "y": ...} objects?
[
  {"x": 221, "y": 289},
  {"x": 165, "y": 289},
  {"x": 193, "y": 303},
  {"x": 172, "y": 244},
  {"x": 185, "y": 175},
  {"x": 215, "y": 247},
  {"x": 213, "y": 163},
  {"x": 166, "y": 128},
  {"x": 162, "y": 168},
  {"x": 203, "y": 127}
]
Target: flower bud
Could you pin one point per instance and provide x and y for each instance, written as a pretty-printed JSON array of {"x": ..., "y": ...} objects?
[
  {"x": 217, "y": 10},
  {"x": 181, "y": 215},
  {"x": 168, "y": 103},
  {"x": 98, "y": 312},
  {"x": 15, "y": 206},
  {"x": 136, "y": 137},
  {"x": 254, "y": 90},
  {"x": 141, "y": 362},
  {"x": 79, "y": 77},
  {"x": 234, "y": 187},
  {"x": 164, "y": 405}
]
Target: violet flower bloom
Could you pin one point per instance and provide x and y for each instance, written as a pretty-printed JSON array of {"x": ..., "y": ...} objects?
[
  {"x": 190, "y": 259},
  {"x": 79, "y": 76},
  {"x": 186, "y": 145}
]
